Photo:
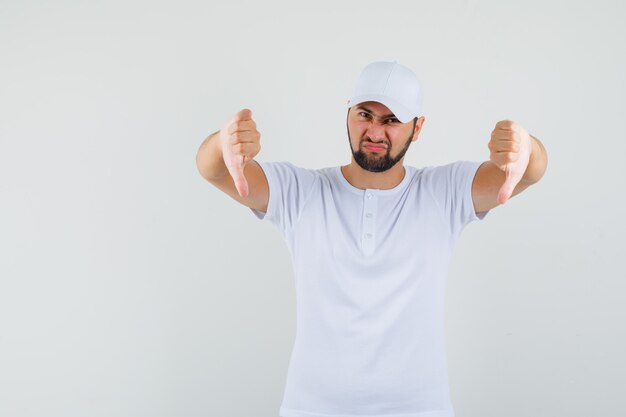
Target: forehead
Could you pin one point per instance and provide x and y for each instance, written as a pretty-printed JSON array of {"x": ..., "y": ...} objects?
[{"x": 374, "y": 107}]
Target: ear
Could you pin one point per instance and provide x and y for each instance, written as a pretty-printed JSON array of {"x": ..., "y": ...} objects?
[{"x": 418, "y": 127}]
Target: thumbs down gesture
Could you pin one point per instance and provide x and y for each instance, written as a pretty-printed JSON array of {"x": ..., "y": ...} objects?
[
  {"x": 510, "y": 147},
  {"x": 240, "y": 142}
]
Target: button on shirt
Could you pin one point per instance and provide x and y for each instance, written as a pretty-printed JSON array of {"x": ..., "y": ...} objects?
[{"x": 370, "y": 272}]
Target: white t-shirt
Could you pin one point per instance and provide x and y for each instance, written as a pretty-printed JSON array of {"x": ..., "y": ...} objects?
[{"x": 370, "y": 272}]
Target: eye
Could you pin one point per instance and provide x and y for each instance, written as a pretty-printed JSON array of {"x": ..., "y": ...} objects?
[
  {"x": 394, "y": 120},
  {"x": 363, "y": 114}
]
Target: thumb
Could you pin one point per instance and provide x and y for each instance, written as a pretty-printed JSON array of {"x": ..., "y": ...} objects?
[
  {"x": 236, "y": 171},
  {"x": 511, "y": 180}
]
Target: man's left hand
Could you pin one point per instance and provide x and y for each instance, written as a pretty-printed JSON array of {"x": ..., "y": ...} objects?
[{"x": 510, "y": 147}]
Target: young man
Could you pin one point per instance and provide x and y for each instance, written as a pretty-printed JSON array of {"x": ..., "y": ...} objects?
[{"x": 371, "y": 243}]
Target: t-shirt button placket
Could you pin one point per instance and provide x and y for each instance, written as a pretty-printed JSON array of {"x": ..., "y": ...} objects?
[{"x": 368, "y": 223}]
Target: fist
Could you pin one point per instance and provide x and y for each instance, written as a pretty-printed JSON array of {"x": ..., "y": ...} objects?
[
  {"x": 240, "y": 142},
  {"x": 510, "y": 147}
]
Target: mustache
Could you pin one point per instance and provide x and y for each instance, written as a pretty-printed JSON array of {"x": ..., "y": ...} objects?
[{"x": 369, "y": 140}]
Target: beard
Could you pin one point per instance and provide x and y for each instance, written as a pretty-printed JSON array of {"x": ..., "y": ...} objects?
[{"x": 375, "y": 162}]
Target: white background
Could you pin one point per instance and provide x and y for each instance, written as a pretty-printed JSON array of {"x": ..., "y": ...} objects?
[{"x": 129, "y": 286}]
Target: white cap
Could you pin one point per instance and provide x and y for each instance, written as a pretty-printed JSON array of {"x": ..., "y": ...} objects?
[{"x": 391, "y": 84}]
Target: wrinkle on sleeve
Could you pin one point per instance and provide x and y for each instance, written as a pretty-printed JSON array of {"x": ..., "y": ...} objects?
[
  {"x": 451, "y": 187},
  {"x": 289, "y": 188}
]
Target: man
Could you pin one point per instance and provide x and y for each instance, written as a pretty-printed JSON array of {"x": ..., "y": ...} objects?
[{"x": 370, "y": 244}]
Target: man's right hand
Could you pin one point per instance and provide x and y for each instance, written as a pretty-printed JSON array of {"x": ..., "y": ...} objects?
[{"x": 240, "y": 142}]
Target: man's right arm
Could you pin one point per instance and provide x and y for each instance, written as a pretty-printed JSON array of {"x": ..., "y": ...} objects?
[{"x": 225, "y": 160}]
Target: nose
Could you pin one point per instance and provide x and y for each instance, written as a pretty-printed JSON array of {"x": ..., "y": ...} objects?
[{"x": 376, "y": 131}]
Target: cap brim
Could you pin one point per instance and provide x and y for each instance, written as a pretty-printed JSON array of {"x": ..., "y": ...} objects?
[{"x": 400, "y": 111}]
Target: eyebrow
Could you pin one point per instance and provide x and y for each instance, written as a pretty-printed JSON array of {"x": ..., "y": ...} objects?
[{"x": 371, "y": 112}]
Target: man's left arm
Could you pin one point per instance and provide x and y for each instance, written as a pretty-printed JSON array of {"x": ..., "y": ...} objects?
[{"x": 517, "y": 160}]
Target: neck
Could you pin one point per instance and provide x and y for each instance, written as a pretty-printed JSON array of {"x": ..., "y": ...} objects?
[{"x": 361, "y": 178}]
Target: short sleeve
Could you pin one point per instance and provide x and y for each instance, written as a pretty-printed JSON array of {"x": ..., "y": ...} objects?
[
  {"x": 451, "y": 187},
  {"x": 289, "y": 188}
]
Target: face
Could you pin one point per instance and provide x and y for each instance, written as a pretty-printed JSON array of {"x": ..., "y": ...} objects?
[{"x": 378, "y": 140}]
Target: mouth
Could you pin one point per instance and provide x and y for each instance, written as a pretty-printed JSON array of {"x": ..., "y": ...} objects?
[{"x": 375, "y": 148}]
